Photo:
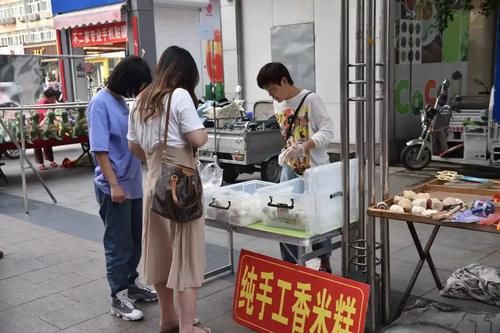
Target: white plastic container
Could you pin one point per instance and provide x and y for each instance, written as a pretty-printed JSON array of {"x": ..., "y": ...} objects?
[
  {"x": 236, "y": 204},
  {"x": 328, "y": 178},
  {"x": 286, "y": 206},
  {"x": 313, "y": 203}
]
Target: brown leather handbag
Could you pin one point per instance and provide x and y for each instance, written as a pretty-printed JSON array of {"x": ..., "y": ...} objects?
[{"x": 178, "y": 191}]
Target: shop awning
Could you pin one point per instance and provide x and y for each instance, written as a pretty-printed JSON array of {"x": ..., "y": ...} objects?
[{"x": 93, "y": 16}]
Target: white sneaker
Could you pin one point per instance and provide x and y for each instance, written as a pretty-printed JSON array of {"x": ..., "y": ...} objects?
[{"x": 122, "y": 306}]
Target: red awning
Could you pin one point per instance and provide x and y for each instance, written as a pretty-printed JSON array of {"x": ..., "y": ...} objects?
[{"x": 93, "y": 16}]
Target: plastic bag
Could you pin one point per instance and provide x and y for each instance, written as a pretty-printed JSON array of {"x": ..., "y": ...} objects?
[
  {"x": 211, "y": 175},
  {"x": 477, "y": 282}
]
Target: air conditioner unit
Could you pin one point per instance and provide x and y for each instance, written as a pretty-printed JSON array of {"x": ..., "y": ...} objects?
[
  {"x": 21, "y": 18},
  {"x": 10, "y": 20},
  {"x": 33, "y": 17},
  {"x": 45, "y": 14}
]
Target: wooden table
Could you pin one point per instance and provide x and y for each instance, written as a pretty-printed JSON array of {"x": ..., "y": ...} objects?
[{"x": 439, "y": 190}]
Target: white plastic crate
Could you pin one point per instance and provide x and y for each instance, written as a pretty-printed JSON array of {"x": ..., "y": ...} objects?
[
  {"x": 236, "y": 204},
  {"x": 313, "y": 203},
  {"x": 328, "y": 178},
  {"x": 287, "y": 205}
]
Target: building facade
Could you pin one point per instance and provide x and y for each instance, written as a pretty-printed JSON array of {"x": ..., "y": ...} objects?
[{"x": 27, "y": 27}]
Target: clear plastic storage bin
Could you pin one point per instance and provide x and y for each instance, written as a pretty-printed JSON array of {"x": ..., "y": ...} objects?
[
  {"x": 313, "y": 203},
  {"x": 329, "y": 176},
  {"x": 236, "y": 204},
  {"x": 285, "y": 205}
]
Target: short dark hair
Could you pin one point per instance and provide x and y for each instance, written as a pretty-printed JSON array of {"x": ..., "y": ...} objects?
[
  {"x": 129, "y": 76},
  {"x": 51, "y": 93},
  {"x": 273, "y": 72}
]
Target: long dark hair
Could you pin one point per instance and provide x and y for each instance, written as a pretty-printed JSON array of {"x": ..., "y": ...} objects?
[{"x": 175, "y": 69}]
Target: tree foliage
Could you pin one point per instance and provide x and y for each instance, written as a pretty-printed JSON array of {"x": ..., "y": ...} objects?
[{"x": 445, "y": 9}]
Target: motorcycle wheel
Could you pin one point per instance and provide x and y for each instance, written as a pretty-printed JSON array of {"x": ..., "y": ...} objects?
[
  {"x": 409, "y": 157},
  {"x": 12, "y": 154},
  {"x": 230, "y": 173},
  {"x": 271, "y": 171}
]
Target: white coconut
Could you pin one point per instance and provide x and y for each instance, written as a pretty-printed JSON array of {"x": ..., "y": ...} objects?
[
  {"x": 436, "y": 204},
  {"x": 429, "y": 212},
  {"x": 425, "y": 196},
  {"x": 397, "y": 209},
  {"x": 409, "y": 195},
  {"x": 420, "y": 202},
  {"x": 397, "y": 198},
  {"x": 406, "y": 204},
  {"x": 417, "y": 210}
]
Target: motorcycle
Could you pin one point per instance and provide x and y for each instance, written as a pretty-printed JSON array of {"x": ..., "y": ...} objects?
[
  {"x": 11, "y": 154},
  {"x": 466, "y": 140}
]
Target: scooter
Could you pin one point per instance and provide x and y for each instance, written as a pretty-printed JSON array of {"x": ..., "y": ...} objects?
[{"x": 466, "y": 140}]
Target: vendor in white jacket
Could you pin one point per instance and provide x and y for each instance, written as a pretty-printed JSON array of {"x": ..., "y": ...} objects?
[{"x": 307, "y": 129}]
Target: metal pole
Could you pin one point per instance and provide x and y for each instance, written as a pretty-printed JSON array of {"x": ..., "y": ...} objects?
[
  {"x": 21, "y": 161},
  {"x": 385, "y": 109},
  {"x": 61, "y": 56},
  {"x": 69, "y": 105},
  {"x": 18, "y": 146},
  {"x": 344, "y": 127},
  {"x": 360, "y": 117},
  {"x": 238, "y": 12},
  {"x": 71, "y": 66},
  {"x": 370, "y": 140}
]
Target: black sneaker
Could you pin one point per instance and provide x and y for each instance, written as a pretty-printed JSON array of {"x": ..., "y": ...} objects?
[
  {"x": 122, "y": 306},
  {"x": 138, "y": 292}
]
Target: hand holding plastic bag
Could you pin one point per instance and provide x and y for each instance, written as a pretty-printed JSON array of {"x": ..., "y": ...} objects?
[
  {"x": 281, "y": 158},
  {"x": 293, "y": 152},
  {"x": 210, "y": 174}
]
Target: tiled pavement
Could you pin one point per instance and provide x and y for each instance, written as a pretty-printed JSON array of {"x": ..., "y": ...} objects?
[{"x": 52, "y": 278}]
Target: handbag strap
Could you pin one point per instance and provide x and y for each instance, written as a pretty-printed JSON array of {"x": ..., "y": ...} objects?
[
  {"x": 167, "y": 121},
  {"x": 294, "y": 117}
]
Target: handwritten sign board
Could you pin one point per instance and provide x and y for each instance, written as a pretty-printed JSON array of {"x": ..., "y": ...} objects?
[{"x": 275, "y": 296}]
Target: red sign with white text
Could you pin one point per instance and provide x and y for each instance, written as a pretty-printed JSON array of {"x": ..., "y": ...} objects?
[
  {"x": 99, "y": 34},
  {"x": 275, "y": 296}
]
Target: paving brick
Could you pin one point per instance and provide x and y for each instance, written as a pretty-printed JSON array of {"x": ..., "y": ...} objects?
[
  {"x": 27, "y": 236},
  {"x": 13, "y": 264},
  {"x": 425, "y": 282},
  {"x": 215, "y": 305},
  {"x": 445, "y": 257},
  {"x": 35, "y": 291},
  {"x": 214, "y": 287},
  {"x": 37, "y": 307},
  {"x": 94, "y": 289},
  {"x": 27, "y": 325},
  {"x": 77, "y": 313},
  {"x": 4, "y": 306},
  {"x": 225, "y": 324},
  {"x": 106, "y": 323},
  {"x": 60, "y": 257},
  {"x": 13, "y": 283}
]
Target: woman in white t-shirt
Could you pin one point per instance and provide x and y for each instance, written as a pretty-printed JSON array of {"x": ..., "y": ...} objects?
[{"x": 173, "y": 253}]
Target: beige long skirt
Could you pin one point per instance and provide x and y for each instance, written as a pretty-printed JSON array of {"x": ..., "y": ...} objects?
[{"x": 173, "y": 253}]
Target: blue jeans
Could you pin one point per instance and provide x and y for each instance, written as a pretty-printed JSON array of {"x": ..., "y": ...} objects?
[
  {"x": 122, "y": 239},
  {"x": 289, "y": 174}
]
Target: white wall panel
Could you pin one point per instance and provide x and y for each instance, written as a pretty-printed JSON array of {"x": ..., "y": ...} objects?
[{"x": 287, "y": 12}]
